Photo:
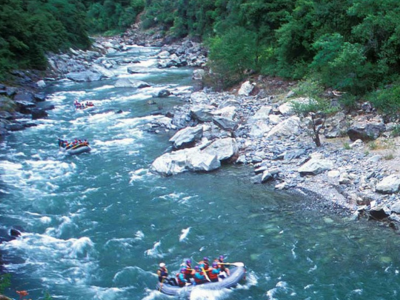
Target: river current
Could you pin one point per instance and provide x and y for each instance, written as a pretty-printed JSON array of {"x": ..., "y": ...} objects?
[{"x": 96, "y": 225}]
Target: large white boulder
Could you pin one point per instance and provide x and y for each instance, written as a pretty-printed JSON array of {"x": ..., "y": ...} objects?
[
  {"x": 192, "y": 159},
  {"x": 389, "y": 184},
  {"x": 287, "y": 127},
  {"x": 187, "y": 136},
  {"x": 315, "y": 166},
  {"x": 223, "y": 148}
]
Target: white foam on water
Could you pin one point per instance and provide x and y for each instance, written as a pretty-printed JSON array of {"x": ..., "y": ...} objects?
[
  {"x": 139, "y": 235},
  {"x": 46, "y": 256},
  {"x": 154, "y": 252},
  {"x": 312, "y": 269},
  {"x": 97, "y": 119},
  {"x": 120, "y": 242},
  {"x": 45, "y": 220},
  {"x": 132, "y": 275},
  {"x": 104, "y": 87},
  {"x": 280, "y": 287},
  {"x": 293, "y": 250},
  {"x": 184, "y": 234},
  {"x": 81, "y": 247},
  {"x": 145, "y": 93},
  {"x": 251, "y": 280},
  {"x": 173, "y": 197},
  {"x": 115, "y": 143},
  {"x": 309, "y": 286},
  {"x": 90, "y": 190},
  {"x": 101, "y": 293},
  {"x": 35, "y": 178},
  {"x": 65, "y": 224},
  {"x": 357, "y": 292},
  {"x": 135, "y": 122},
  {"x": 9, "y": 167},
  {"x": 152, "y": 294},
  {"x": 139, "y": 175},
  {"x": 19, "y": 154},
  {"x": 199, "y": 293}
]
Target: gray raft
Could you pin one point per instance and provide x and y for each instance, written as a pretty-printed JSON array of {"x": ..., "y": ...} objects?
[
  {"x": 79, "y": 150},
  {"x": 236, "y": 274}
]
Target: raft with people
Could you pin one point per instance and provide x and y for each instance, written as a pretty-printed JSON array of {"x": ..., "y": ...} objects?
[
  {"x": 217, "y": 277},
  {"x": 83, "y": 105},
  {"x": 74, "y": 147}
]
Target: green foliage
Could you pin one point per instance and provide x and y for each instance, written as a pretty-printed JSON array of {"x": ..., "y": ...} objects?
[
  {"x": 346, "y": 146},
  {"x": 5, "y": 282},
  {"x": 342, "y": 65},
  {"x": 396, "y": 131},
  {"x": 159, "y": 13},
  {"x": 387, "y": 100},
  {"x": 311, "y": 89},
  {"x": 348, "y": 100},
  {"x": 230, "y": 56},
  {"x": 110, "y": 15},
  {"x": 320, "y": 105},
  {"x": 30, "y": 28},
  {"x": 350, "y": 45},
  {"x": 389, "y": 156},
  {"x": 47, "y": 296}
]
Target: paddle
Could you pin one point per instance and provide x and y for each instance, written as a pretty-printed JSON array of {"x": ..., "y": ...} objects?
[
  {"x": 237, "y": 264},
  {"x": 205, "y": 274}
]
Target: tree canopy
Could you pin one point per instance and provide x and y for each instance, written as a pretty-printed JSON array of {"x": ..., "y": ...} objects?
[{"x": 352, "y": 45}]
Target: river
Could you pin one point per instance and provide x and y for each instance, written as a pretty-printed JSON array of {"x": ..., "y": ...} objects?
[{"x": 96, "y": 226}]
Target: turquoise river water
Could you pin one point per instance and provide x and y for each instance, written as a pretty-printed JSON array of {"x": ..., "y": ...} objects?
[{"x": 95, "y": 226}]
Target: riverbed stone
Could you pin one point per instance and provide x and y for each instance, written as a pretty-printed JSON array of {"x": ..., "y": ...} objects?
[
  {"x": 203, "y": 113},
  {"x": 224, "y": 148},
  {"x": 287, "y": 127},
  {"x": 85, "y": 76},
  {"x": 366, "y": 130},
  {"x": 187, "y": 136},
  {"x": 131, "y": 83},
  {"x": 389, "y": 184},
  {"x": 191, "y": 159},
  {"x": 315, "y": 166},
  {"x": 246, "y": 88},
  {"x": 395, "y": 207}
]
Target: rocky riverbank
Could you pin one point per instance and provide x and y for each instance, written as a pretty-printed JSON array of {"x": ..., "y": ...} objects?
[{"x": 356, "y": 167}]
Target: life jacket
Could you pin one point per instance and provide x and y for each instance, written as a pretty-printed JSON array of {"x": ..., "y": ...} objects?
[
  {"x": 199, "y": 278},
  {"x": 162, "y": 272},
  {"x": 213, "y": 274},
  {"x": 188, "y": 272},
  {"x": 222, "y": 265},
  {"x": 181, "y": 279}
]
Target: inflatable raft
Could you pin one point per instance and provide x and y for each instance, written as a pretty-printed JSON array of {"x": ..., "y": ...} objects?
[
  {"x": 237, "y": 271},
  {"x": 83, "y": 106},
  {"x": 77, "y": 150},
  {"x": 73, "y": 149}
]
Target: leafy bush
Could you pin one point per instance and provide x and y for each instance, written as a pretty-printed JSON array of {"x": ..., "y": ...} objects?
[
  {"x": 395, "y": 131},
  {"x": 230, "y": 56},
  {"x": 387, "y": 100},
  {"x": 348, "y": 100},
  {"x": 313, "y": 90}
]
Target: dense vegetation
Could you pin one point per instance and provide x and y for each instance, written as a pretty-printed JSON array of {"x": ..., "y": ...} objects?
[
  {"x": 350, "y": 45},
  {"x": 30, "y": 28}
]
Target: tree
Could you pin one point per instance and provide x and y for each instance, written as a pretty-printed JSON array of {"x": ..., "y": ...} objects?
[{"x": 230, "y": 56}]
